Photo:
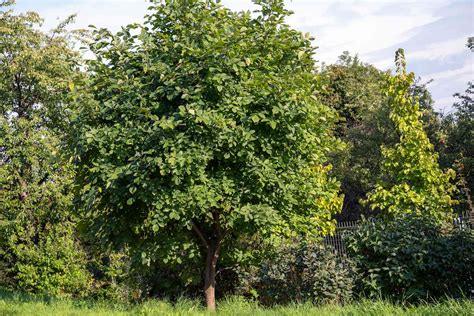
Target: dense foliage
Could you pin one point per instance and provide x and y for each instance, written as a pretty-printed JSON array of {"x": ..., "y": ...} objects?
[
  {"x": 301, "y": 272},
  {"x": 201, "y": 127},
  {"x": 413, "y": 258},
  {"x": 459, "y": 148},
  {"x": 355, "y": 90},
  {"x": 418, "y": 185},
  {"x": 39, "y": 250}
]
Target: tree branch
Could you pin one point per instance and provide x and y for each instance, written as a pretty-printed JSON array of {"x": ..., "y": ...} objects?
[
  {"x": 226, "y": 268},
  {"x": 21, "y": 110},
  {"x": 200, "y": 235}
]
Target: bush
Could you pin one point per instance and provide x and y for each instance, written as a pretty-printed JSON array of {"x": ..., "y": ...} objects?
[
  {"x": 120, "y": 278},
  {"x": 49, "y": 260},
  {"x": 114, "y": 278},
  {"x": 412, "y": 258},
  {"x": 302, "y": 272}
]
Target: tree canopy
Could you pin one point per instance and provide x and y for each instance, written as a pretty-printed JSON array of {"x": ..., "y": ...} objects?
[
  {"x": 38, "y": 247},
  {"x": 458, "y": 151},
  {"x": 201, "y": 128}
]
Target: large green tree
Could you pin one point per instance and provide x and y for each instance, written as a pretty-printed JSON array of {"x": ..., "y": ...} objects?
[
  {"x": 38, "y": 246},
  {"x": 201, "y": 128},
  {"x": 417, "y": 184}
]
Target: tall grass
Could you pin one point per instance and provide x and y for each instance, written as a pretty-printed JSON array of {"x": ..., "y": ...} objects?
[{"x": 21, "y": 304}]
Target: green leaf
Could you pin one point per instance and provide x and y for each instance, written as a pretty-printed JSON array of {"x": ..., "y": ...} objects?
[{"x": 255, "y": 118}]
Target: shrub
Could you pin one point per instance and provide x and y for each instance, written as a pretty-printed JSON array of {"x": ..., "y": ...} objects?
[
  {"x": 302, "y": 272},
  {"x": 39, "y": 246},
  {"x": 412, "y": 258},
  {"x": 114, "y": 279},
  {"x": 120, "y": 278},
  {"x": 48, "y": 261}
]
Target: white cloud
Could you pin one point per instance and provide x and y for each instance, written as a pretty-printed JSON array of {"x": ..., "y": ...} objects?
[
  {"x": 462, "y": 74},
  {"x": 368, "y": 34},
  {"x": 433, "y": 52},
  {"x": 364, "y": 27},
  {"x": 358, "y": 26},
  {"x": 447, "y": 82},
  {"x": 104, "y": 13}
]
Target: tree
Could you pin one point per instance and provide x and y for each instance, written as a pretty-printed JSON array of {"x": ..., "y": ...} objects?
[
  {"x": 199, "y": 129},
  {"x": 459, "y": 148},
  {"x": 352, "y": 88},
  {"x": 355, "y": 90},
  {"x": 38, "y": 246},
  {"x": 470, "y": 43},
  {"x": 418, "y": 185}
]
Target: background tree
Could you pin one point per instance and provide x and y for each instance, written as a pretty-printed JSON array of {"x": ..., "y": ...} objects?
[
  {"x": 458, "y": 144},
  {"x": 470, "y": 43},
  {"x": 431, "y": 119},
  {"x": 352, "y": 88},
  {"x": 355, "y": 90},
  {"x": 38, "y": 246},
  {"x": 201, "y": 129},
  {"x": 418, "y": 185},
  {"x": 459, "y": 148}
]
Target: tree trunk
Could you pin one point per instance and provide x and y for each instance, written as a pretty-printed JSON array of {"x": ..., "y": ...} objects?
[{"x": 213, "y": 251}]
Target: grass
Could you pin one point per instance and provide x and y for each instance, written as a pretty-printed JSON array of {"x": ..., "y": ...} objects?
[{"x": 20, "y": 304}]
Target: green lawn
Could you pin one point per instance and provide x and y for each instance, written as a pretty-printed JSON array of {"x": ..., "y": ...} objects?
[{"x": 14, "y": 304}]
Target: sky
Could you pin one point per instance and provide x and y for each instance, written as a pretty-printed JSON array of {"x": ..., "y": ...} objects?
[{"x": 432, "y": 32}]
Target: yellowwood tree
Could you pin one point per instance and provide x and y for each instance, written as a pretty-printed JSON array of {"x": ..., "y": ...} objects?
[{"x": 417, "y": 184}]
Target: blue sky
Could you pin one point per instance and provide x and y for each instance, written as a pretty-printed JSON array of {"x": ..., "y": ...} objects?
[{"x": 433, "y": 33}]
